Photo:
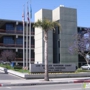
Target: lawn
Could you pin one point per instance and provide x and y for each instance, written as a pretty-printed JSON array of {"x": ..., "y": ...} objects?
[
  {"x": 80, "y": 70},
  {"x": 19, "y": 69}
]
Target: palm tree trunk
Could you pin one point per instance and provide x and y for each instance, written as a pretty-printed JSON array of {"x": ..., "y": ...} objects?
[{"x": 46, "y": 77}]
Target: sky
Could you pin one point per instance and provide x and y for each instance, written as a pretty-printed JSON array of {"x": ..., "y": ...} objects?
[{"x": 12, "y": 9}]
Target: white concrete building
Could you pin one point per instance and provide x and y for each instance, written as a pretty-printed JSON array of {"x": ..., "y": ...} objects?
[{"x": 59, "y": 41}]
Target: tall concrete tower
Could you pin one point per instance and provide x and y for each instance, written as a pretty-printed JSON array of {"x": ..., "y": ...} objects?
[
  {"x": 67, "y": 17},
  {"x": 39, "y": 38}
]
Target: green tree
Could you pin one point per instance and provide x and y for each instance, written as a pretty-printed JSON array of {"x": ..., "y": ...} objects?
[{"x": 46, "y": 25}]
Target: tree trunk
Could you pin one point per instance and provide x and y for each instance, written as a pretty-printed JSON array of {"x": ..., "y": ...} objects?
[{"x": 46, "y": 77}]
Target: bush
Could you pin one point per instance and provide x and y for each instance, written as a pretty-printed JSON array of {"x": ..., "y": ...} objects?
[
  {"x": 17, "y": 67},
  {"x": 8, "y": 66},
  {"x": 5, "y": 66}
]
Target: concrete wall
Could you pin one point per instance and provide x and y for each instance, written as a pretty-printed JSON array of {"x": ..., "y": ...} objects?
[
  {"x": 68, "y": 20},
  {"x": 67, "y": 17},
  {"x": 39, "y": 41}
]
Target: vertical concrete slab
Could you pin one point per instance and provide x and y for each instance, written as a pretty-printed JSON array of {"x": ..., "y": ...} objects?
[{"x": 39, "y": 41}]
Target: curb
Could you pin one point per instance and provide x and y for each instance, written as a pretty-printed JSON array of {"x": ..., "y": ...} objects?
[
  {"x": 32, "y": 84},
  {"x": 44, "y": 83},
  {"x": 82, "y": 81},
  {"x": 41, "y": 76}
]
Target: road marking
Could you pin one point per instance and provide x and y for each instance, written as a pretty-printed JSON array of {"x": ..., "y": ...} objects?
[{"x": 9, "y": 87}]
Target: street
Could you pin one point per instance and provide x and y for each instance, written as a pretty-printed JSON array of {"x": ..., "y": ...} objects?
[
  {"x": 5, "y": 78},
  {"x": 48, "y": 87}
]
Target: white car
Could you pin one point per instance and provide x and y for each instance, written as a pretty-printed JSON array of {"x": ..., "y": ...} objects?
[{"x": 86, "y": 67}]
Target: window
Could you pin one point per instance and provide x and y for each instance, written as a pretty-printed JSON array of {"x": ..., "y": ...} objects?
[
  {"x": 19, "y": 28},
  {"x": 58, "y": 31},
  {"x": 58, "y": 43},
  {"x": 32, "y": 40},
  {"x": 19, "y": 40},
  {"x": 32, "y": 53},
  {"x": 20, "y": 54},
  {"x": 8, "y": 40},
  {"x": 59, "y": 57},
  {"x": 9, "y": 27},
  {"x": 32, "y": 29}
]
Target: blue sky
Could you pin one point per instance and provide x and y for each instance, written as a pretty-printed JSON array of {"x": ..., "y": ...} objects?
[{"x": 12, "y": 9}]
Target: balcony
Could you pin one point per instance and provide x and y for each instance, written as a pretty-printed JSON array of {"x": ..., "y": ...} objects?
[
  {"x": 21, "y": 59},
  {"x": 13, "y": 32},
  {"x": 13, "y": 45}
]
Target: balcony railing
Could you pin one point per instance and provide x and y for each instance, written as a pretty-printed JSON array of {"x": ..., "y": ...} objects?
[
  {"x": 13, "y": 31},
  {"x": 21, "y": 59},
  {"x": 13, "y": 45}
]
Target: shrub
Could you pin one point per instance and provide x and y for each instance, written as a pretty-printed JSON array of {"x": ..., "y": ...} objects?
[
  {"x": 17, "y": 67},
  {"x": 8, "y": 66},
  {"x": 5, "y": 66}
]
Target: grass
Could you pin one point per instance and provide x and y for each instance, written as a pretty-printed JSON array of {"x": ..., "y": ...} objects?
[
  {"x": 80, "y": 70},
  {"x": 21, "y": 70},
  {"x": 11, "y": 68},
  {"x": 5, "y": 66},
  {"x": 27, "y": 71}
]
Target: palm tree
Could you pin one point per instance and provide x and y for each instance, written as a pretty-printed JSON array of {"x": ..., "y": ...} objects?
[{"x": 46, "y": 25}]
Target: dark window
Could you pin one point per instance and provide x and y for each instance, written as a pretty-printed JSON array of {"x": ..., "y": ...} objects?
[
  {"x": 19, "y": 40},
  {"x": 32, "y": 53},
  {"x": 8, "y": 40},
  {"x": 9, "y": 27},
  {"x": 19, "y": 28},
  {"x": 59, "y": 44},
  {"x": 59, "y": 57},
  {"x": 32, "y": 29},
  {"x": 20, "y": 54},
  {"x": 58, "y": 31},
  {"x": 32, "y": 40}
]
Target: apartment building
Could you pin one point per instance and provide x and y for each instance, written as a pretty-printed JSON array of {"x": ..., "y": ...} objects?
[{"x": 11, "y": 38}]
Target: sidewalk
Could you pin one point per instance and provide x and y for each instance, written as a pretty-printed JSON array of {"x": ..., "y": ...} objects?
[
  {"x": 30, "y": 82},
  {"x": 54, "y": 79}
]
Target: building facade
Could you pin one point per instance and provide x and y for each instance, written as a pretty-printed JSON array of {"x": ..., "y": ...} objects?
[
  {"x": 11, "y": 38},
  {"x": 58, "y": 41}
]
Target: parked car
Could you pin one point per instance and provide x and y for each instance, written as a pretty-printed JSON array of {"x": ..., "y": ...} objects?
[{"x": 86, "y": 67}]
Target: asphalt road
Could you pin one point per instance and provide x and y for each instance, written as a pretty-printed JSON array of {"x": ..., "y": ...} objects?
[
  {"x": 48, "y": 87},
  {"x": 4, "y": 76}
]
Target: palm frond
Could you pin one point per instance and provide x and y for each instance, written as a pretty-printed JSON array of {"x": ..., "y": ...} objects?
[
  {"x": 38, "y": 24},
  {"x": 46, "y": 24}
]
